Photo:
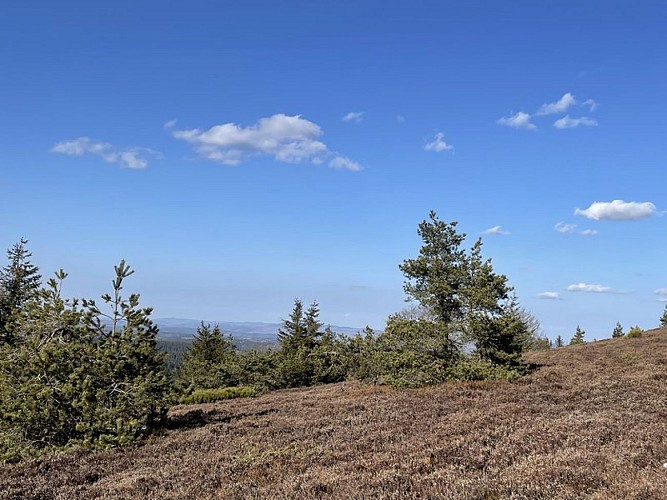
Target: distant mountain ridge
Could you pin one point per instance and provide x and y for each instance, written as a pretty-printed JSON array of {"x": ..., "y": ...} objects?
[{"x": 173, "y": 328}]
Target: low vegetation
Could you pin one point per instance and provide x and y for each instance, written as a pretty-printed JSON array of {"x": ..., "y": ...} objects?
[{"x": 589, "y": 423}]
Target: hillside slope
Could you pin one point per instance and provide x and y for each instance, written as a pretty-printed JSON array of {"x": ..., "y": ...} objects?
[{"x": 590, "y": 423}]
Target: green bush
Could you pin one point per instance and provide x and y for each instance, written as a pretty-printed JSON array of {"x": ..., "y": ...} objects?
[
  {"x": 634, "y": 332},
  {"x": 200, "y": 396},
  {"x": 71, "y": 378}
]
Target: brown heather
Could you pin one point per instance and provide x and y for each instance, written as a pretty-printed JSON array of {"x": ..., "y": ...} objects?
[{"x": 591, "y": 422}]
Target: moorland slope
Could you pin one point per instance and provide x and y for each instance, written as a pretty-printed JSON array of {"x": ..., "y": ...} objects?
[{"x": 591, "y": 422}]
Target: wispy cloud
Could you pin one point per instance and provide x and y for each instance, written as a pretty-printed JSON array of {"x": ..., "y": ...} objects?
[
  {"x": 354, "y": 116},
  {"x": 287, "y": 139},
  {"x": 592, "y": 105},
  {"x": 661, "y": 291},
  {"x": 549, "y": 296},
  {"x": 617, "y": 210},
  {"x": 344, "y": 163},
  {"x": 589, "y": 232},
  {"x": 169, "y": 124},
  {"x": 400, "y": 118},
  {"x": 566, "y": 102},
  {"x": 136, "y": 158},
  {"x": 564, "y": 228},
  {"x": 560, "y": 106},
  {"x": 438, "y": 144},
  {"x": 518, "y": 120},
  {"x": 589, "y": 288},
  {"x": 567, "y": 122},
  {"x": 495, "y": 230}
]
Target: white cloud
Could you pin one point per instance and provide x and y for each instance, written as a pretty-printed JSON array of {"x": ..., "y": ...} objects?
[
  {"x": 400, "y": 118},
  {"x": 518, "y": 120},
  {"x": 288, "y": 139},
  {"x": 592, "y": 105},
  {"x": 617, "y": 210},
  {"x": 438, "y": 144},
  {"x": 560, "y": 106},
  {"x": 564, "y": 228},
  {"x": 661, "y": 291},
  {"x": 354, "y": 116},
  {"x": 588, "y": 232},
  {"x": 169, "y": 124},
  {"x": 344, "y": 163},
  {"x": 585, "y": 287},
  {"x": 549, "y": 295},
  {"x": 567, "y": 122},
  {"x": 662, "y": 299},
  {"x": 495, "y": 230},
  {"x": 136, "y": 158}
]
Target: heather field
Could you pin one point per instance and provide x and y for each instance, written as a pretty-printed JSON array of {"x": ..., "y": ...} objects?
[{"x": 590, "y": 422}]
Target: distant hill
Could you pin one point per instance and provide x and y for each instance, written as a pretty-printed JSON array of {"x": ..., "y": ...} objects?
[{"x": 183, "y": 328}]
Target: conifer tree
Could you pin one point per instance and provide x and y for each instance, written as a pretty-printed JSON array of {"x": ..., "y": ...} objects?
[
  {"x": 78, "y": 375},
  {"x": 293, "y": 330},
  {"x": 19, "y": 282},
  {"x": 462, "y": 293},
  {"x": 130, "y": 390},
  {"x": 559, "y": 341},
  {"x": 618, "y": 331},
  {"x": 211, "y": 360},
  {"x": 299, "y": 336},
  {"x": 578, "y": 337},
  {"x": 663, "y": 318}
]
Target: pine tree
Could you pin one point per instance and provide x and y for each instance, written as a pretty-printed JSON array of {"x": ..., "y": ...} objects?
[
  {"x": 210, "y": 361},
  {"x": 618, "y": 331},
  {"x": 78, "y": 375},
  {"x": 462, "y": 293},
  {"x": 559, "y": 341},
  {"x": 19, "y": 282},
  {"x": 578, "y": 337},
  {"x": 299, "y": 337},
  {"x": 663, "y": 318},
  {"x": 312, "y": 326},
  {"x": 130, "y": 389},
  {"x": 293, "y": 330},
  {"x": 45, "y": 378}
]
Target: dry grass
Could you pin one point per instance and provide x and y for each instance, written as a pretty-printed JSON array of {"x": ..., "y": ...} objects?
[{"x": 590, "y": 423}]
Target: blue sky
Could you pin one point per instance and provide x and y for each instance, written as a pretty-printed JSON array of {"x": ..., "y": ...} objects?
[{"x": 241, "y": 155}]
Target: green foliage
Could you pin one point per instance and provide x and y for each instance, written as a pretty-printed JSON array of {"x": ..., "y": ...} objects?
[
  {"x": 211, "y": 361},
  {"x": 617, "y": 332},
  {"x": 19, "y": 283},
  {"x": 578, "y": 337},
  {"x": 503, "y": 337},
  {"x": 663, "y": 318},
  {"x": 260, "y": 369},
  {"x": 634, "y": 332},
  {"x": 77, "y": 375},
  {"x": 307, "y": 355},
  {"x": 539, "y": 343},
  {"x": 211, "y": 395},
  {"x": 559, "y": 341},
  {"x": 461, "y": 294},
  {"x": 409, "y": 353},
  {"x": 448, "y": 282}
]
